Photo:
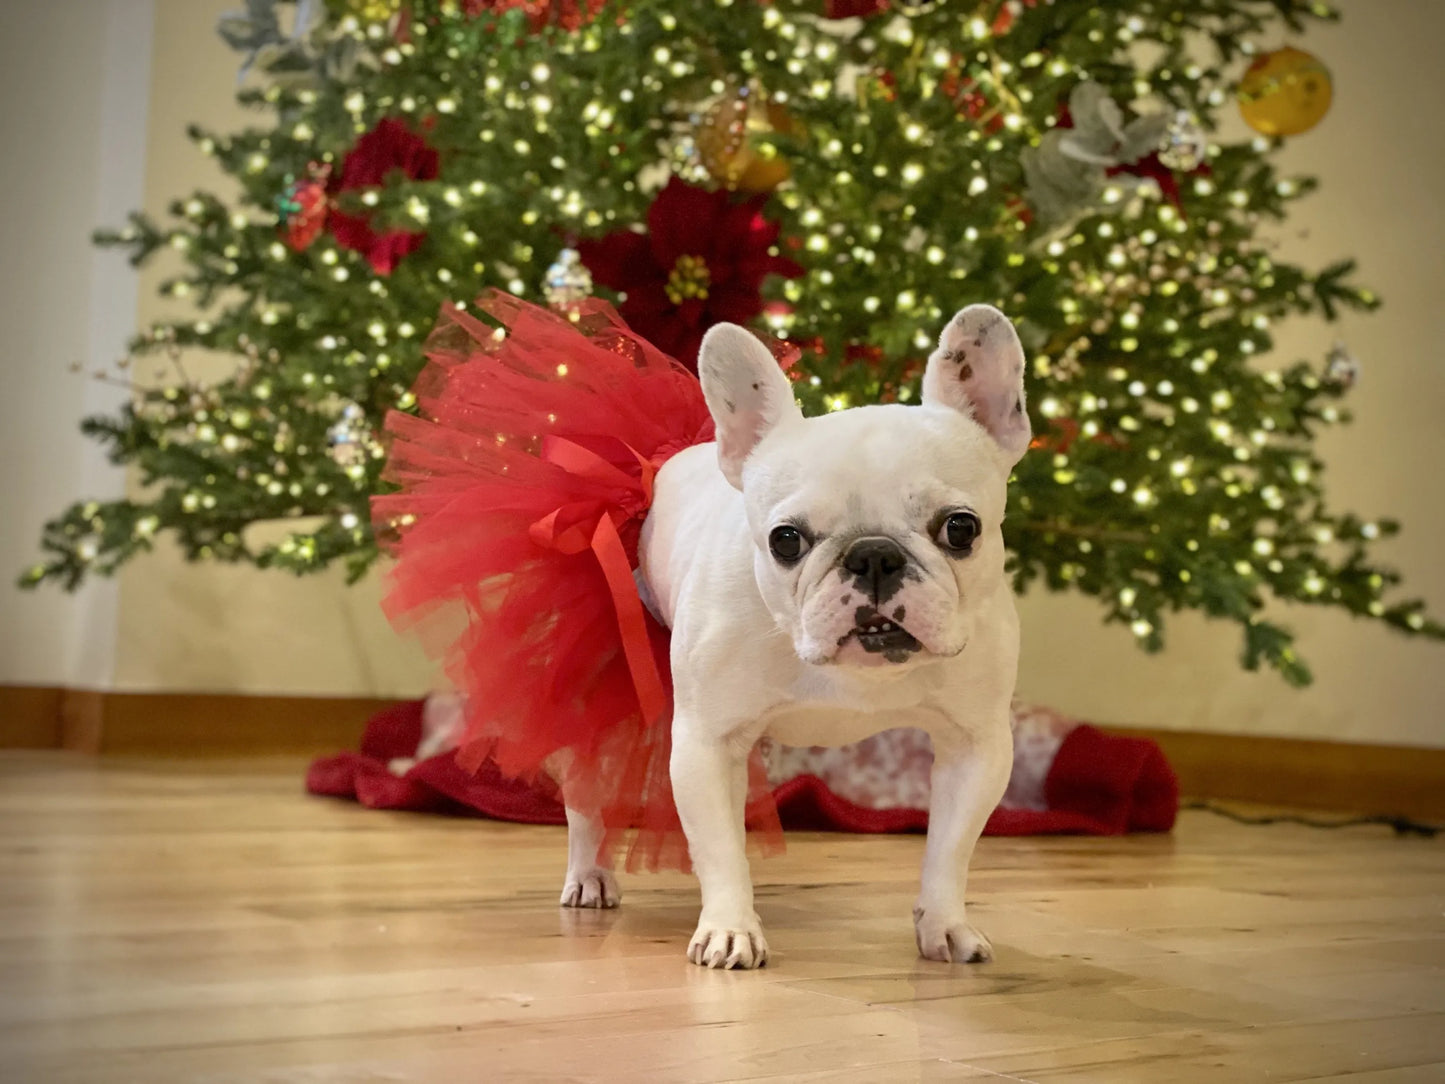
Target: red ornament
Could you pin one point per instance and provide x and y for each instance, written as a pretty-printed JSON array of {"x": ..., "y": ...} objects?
[
  {"x": 1019, "y": 208},
  {"x": 386, "y": 149},
  {"x": 787, "y": 352},
  {"x": 1059, "y": 436},
  {"x": 1061, "y": 433},
  {"x": 883, "y": 83},
  {"x": 968, "y": 100},
  {"x": 702, "y": 262},
  {"x": 302, "y": 208},
  {"x": 1003, "y": 22}
]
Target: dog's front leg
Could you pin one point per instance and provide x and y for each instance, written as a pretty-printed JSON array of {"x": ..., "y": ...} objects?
[
  {"x": 970, "y": 774},
  {"x": 705, "y": 771}
]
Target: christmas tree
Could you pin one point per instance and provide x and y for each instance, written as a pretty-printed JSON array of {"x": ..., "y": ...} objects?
[{"x": 840, "y": 174}]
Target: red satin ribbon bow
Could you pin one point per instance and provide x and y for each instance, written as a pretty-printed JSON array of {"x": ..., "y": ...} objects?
[{"x": 593, "y": 524}]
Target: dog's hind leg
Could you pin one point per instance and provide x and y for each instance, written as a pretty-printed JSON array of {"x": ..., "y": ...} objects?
[{"x": 590, "y": 881}]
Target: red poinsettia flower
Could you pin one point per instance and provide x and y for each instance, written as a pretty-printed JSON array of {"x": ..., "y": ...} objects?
[
  {"x": 702, "y": 261},
  {"x": 388, "y": 148}
]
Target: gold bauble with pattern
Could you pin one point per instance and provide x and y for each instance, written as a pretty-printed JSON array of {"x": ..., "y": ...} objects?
[
  {"x": 729, "y": 145},
  {"x": 1285, "y": 92}
]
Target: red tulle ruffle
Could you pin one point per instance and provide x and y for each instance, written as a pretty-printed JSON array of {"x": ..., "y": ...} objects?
[{"x": 524, "y": 482}]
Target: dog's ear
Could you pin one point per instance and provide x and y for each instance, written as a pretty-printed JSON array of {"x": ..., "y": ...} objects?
[
  {"x": 978, "y": 369},
  {"x": 746, "y": 392}
]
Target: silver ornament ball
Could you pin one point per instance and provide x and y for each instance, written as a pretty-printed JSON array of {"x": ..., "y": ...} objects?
[
  {"x": 1341, "y": 367},
  {"x": 347, "y": 438},
  {"x": 567, "y": 281},
  {"x": 1185, "y": 145}
]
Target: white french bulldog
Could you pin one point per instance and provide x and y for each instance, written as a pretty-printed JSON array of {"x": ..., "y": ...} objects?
[{"x": 826, "y": 579}]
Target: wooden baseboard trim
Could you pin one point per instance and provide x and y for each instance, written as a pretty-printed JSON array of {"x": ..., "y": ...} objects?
[
  {"x": 1397, "y": 780},
  {"x": 180, "y": 724},
  {"x": 1338, "y": 776},
  {"x": 30, "y": 717}
]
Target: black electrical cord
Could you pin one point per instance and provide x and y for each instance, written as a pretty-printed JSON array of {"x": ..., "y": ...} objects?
[{"x": 1403, "y": 826}]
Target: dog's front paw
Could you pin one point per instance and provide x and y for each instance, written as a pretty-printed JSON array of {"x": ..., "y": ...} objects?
[
  {"x": 729, "y": 944},
  {"x": 947, "y": 938},
  {"x": 592, "y": 888}
]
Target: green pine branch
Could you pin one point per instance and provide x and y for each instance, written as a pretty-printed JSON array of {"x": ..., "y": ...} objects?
[{"x": 1173, "y": 470}]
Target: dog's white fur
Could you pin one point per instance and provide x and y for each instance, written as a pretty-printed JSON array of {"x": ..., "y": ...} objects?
[{"x": 761, "y": 646}]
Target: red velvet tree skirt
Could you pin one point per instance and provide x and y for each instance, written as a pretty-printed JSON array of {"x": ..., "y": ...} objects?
[{"x": 1084, "y": 781}]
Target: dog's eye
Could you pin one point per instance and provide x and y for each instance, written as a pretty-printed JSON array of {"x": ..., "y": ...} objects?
[
  {"x": 959, "y": 531},
  {"x": 787, "y": 544}
]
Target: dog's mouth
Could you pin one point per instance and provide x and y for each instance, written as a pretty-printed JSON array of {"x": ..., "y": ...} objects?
[{"x": 878, "y": 635}]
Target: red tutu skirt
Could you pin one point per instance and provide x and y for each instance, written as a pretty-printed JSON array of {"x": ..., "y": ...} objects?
[{"x": 524, "y": 481}]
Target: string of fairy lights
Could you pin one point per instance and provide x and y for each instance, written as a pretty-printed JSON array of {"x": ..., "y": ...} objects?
[{"x": 1171, "y": 467}]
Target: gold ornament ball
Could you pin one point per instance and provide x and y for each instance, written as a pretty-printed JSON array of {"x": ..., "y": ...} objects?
[
  {"x": 728, "y": 145},
  {"x": 367, "y": 11},
  {"x": 1285, "y": 92}
]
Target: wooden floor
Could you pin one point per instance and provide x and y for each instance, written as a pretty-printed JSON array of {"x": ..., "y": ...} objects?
[{"x": 194, "y": 921}]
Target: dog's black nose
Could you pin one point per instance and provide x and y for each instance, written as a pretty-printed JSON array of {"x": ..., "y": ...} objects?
[{"x": 878, "y": 563}]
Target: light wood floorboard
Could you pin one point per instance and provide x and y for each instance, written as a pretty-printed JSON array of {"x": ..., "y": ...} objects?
[{"x": 206, "y": 921}]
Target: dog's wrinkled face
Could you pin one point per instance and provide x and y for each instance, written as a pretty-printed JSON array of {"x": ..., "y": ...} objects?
[{"x": 875, "y": 527}]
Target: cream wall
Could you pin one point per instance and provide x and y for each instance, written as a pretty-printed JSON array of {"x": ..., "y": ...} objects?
[
  {"x": 1380, "y": 155},
  {"x": 215, "y": 627},
  {"x": 74, "y": 80}
]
